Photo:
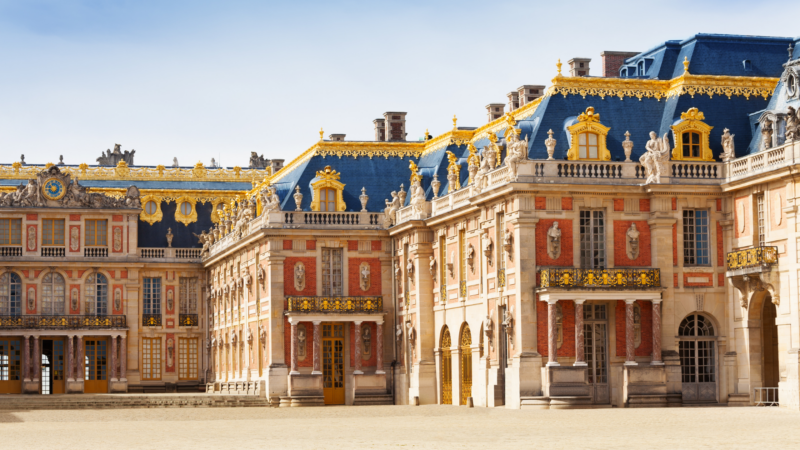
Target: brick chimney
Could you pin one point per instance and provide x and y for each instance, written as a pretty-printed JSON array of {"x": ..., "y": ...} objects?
[
  {"x": 494, "y": 111},
  {"x": 579, "y": 67},
  {"x": 613, "y": 61},
  {"x": 380, "y": 129},
  {"x": 336, "y": 137},
  {"x": 395, "y": 126},
  {"x": 276, "y": 164},
  {"x": 513, "y": 100},
  {"x": 529, "y": 93}
]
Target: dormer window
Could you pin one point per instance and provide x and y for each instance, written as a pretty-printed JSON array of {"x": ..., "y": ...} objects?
[
  {"x": 691, "y": 137},
  {"x": 327, "y": 199},
  {"x": 327, "y": 191},
  {"x": 588, "y": 138},
  {"x": 587, "y": 145},
  {"x": 691, "y": 144}
]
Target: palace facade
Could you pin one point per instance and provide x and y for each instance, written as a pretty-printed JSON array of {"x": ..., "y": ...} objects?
[{"x": 625, "y": 240}]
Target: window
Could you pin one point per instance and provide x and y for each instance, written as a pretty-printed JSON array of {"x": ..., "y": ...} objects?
[
  {"x": 151, "y": 359},
  {"x": 10, "y": 294},
  {"x": 188, "y": 296},
  {"x": 761, "y": 225},
  {"x": 593, "y": 243},
  {"x": 96, "y": 295},
  {"x": 151, "y": 296},
  {"x": 10, "y": 231},
  {"x": 695, "y": 237},
  {"x": 53, "y": 294},
  {"x": 691, "y": 144},
  {"x": 96, "y": 233},
  {"x": 186, "y": 208},
  {"x": 332, "y": 271},
  {"x": 462, "y": 263},
  {"x": 150, "y": 208},
  {"x": 53, "y": 232},
  {"x": 187, "y": 358},
  {"x": 10, "y": 356},
  {"x": 327, "y": 200},
  {"x": 697, "y": 354},
  {"x": 587, "y": 144}
]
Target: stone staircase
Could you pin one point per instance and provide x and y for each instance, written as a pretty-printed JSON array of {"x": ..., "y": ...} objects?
[{"x": 121, "y": 401}]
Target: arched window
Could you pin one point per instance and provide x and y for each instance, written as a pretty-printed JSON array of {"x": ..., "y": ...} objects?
[
  {"x": 588, "y": 138},
  {"x": 327, "y": 200},
  {"x": 96, "y": 295},
  {"x": 466, "y": 364},
  {"x": 447, "y": 368},
  {"x": 10, "y": 294},
  {"x": 53, "y": 294},
  {"x": 698, "y": 360},
  {"x": 587, "y": 145},
  {"x": 691, "y": 144},
  {"x": 691, "y": 137}
]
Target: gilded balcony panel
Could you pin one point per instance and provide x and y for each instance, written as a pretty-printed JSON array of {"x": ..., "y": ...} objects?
[
  {"x": 752, "y": 257},
  {"x": 66, "y": 322},
  {"x": 336, "y": 305},
  {"x": 600, "y": 278}
]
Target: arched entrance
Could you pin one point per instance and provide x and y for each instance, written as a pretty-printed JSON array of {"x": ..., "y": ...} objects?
[
  {"x": 447, "y": 368},
  {"x": 466, "y": 364},
  {"x": 769, "y": 344},
  {"x": 697, "y": 349}
]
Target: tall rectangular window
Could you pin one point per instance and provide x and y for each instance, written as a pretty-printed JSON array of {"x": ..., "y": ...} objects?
[
  {"x": 761, "y": 224},
  {"x": 187, "y": 358},
  {"x": 443, "y": 268},
  {"x": 151, "y": 359},
  {"x": 96, "y": 232},
  {"x": 151, "y": 296},
  {"x": 10, "y": 231},
  {"x": 695, "y": 237},
  {"x": 501, "y": 228},
  {"x": 593, "y": 242},
  {"x": 332, "y": 271},
  {"x": 188, "y": 296},
  {"x": 462, "y": 263},
  {"x": 53, "y": 232}
]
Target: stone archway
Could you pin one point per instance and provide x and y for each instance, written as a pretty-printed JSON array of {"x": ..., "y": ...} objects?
[
  {"x": 760, "y": 303},
  {"x": 771, "y": 373}
]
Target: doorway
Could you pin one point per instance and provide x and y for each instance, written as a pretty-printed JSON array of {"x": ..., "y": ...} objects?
[
  {"x": 95, "y": 366},
  {"x": 333, "y": 363},
  {"x": 447, "y": 368},
  {"x": 769, "y": 343},
  {"x": 52, "y": 366},
  {"x": 595, "y": 347},
  {"x": 10, "y": 365},
  {"x": 697, "y": 351}
]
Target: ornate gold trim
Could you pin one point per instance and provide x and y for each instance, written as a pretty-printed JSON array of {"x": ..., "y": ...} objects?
[
  {"x": 156, "y": 216},
  {"x": 123, "y": 172},
  {"x": 453, "y": 169},
  {"x": 589, "y": 122},
  {"x": 692, "y": 120},
  {"x": 328, "y": 178},
  {"x": 185, "y": 219}
]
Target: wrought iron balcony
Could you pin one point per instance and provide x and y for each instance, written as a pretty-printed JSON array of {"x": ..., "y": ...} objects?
[
  {"x": 188, "y": 320},
  {"x": 64, "y": 322},
  {"x": 752, "y": 257},
  {"x": 599, "y": 278},
  {"x": 151, "y": 320},
  {"x": 336, "y": 305}
]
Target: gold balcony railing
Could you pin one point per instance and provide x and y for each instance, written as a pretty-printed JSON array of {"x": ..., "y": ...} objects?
[
  {"x": 63, "y": 322},
  {"x": 752, "y": 257},
  {"x": 336, "y": 305},
  {"x": 600, "y": 278}
]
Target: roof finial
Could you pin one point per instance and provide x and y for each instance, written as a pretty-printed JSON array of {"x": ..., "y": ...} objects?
[
  {"x": 454, "y": 122},
  {"x": 558, "y": 64},
  {"x": 685, "y": 64},
  {"x": 426, "y": 135},
  {"x": 321, "y": 133}
]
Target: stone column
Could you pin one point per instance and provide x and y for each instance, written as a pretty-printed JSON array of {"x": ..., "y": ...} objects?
[
  {"x": 317, "y": 351},
  {"x": 26, "y": 358},
  {"x": 80, "y": 364},
  {"x": 357, "y": 369},
  {"x": 294, "y": 348},
  {"x": 113, "y": 371},
  {"x": 580, "y": 357},
  {"x": 379, "y": 347},
  {"x": 70, "y": 358},
  {"x": 630, "y": 356},
  {"x": 123, "y": 358},
  {"x": 552, "y": 334},
  {"x": 657, "y": 334},
  {"x": 37, "y": 359}
]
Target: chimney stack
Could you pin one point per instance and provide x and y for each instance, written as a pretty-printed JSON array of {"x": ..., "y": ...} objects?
[
  {"x": 336, "y": 137},
  {"x": 579, "y": 67},
  {"x": 380, "y": 129},
  {"x": 276, "y": 164},
  {"x": 494, "y": 111},
  {"x": 513, "y": 100},
  {"x": 529, "y": 93},
  {"x": 613, "y": 61},
  {"x": 395, "y": 126}
]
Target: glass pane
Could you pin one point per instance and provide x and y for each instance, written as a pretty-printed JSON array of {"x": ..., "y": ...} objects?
[
  {"x": 592, "y": 139},
  {"x": 582, "y": 139}
]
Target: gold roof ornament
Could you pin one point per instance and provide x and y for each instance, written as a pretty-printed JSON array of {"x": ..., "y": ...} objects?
[
  {"x": 589, "y": 116},
  {"x": 328, "y": 174},
  {"x": 693, "y": 114},
  {"x": 558, "y": 65},
  {"x": 414, "y": 172},
  {"x": 511, "y": 123},
  {"x": 455, "y": 120},
  {"x": 685, "y": 64},
  {"x": 321, "y": 133},
  {"x": 122, "y": 170}
]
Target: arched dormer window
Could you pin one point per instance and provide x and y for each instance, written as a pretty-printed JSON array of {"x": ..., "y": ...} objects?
[
  {"x": 588, "y": 138},
  {"x": 691, "y": 137},
  {"x": 10, "y": 294},
  {"x": 327, "y": 191}
]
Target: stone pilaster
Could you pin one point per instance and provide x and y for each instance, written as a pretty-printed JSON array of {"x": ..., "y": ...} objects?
[
  {"x": 657, "y": 334},
  {"x": 317, "y": 350},
  {"x": 552, "y": 334},
  {"x": 379, "y": 348},
  {"x": 277, "y": 372},
  {"x": 422, "y": 381},
  {"x": 26, "y": 358},
  {"x": 580, "y": 356},
  {"x": 661, "y": 252},
  {"x": 294, "y": 348},
  {"x": 357, "y": 348},
  {"x": 123, "y": 361},
  {"x": 630, "y": 355},
  {"x": 113, "y": 368}
]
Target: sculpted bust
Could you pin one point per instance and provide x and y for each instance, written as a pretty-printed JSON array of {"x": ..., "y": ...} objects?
[
  {"x": 554, "y": 241},
  {"x": 632, "y": 242}
]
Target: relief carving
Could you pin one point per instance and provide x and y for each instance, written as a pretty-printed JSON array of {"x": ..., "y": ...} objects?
[
  {"x": 554, "y": 241},
  {"x": 118, "y": 299},
  {"x": 301, "y": 342},
  {"x": 170, "y": 352},
  {"x": 31, "y": 238},
  {"x": 73, "y": 299},
  {"x": 299, "y": 276},
  {"x": 632, "y": 242},
  {"x": 31, "y": 299},
  {"x": 364, "y": 278},
  {"x": 117, "y": 239},
  {"x": 170, "y": 299},
  {"x": 74, "y": 239},
  {"x": 366, "y": 342}
]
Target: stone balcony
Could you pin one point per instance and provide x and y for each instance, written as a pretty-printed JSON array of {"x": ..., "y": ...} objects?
[
  {"x": 751, "y": 260},
  {"x": 169, "y": 254},
  {"x": 62, "y": 322},
  {"x": 600, "y": 278}
]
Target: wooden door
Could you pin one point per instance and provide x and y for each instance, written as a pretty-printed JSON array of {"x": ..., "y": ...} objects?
[
  {"x": 10, "y": 365},
  {"x": 52, "y": 366},
  {"x": 95, "y": 365},
  {"x": 333, "y": 363}
]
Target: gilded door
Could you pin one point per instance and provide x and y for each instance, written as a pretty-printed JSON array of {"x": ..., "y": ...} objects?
[
  {"x": 52, "y": 366},
  {"x": 466, "y": 365},
  {"x": 595, "y": 338},
  {"x": 95, "y": 365},
  {"x": 447, "y": 369},
  {"x": 10, "y": 365},
  {"x": 333, "y": 363}
]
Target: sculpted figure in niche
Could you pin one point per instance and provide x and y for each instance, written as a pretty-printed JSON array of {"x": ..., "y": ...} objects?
[
  {"x": 299, "y": 276},
  {"x": 364, "y": 276},
  {"x": 488, "y": 328},
  {"x": 432, "y": 266},
  {"x": 73, "y": 301},
  {"x": 170, "y": 300},
  {"x": 31, "y": 299},
  {"x": 792, "y": 124},
  {"x": 652, "y": 160},
  {"x": 766, "y": 135},
  {"x": 170, "y": 352},
  {"x": 390, "y": 210},
  {"x": 366, "y": 342},
  {"x": 516, "y": 151},
  {"x": 728, "y": 151},
  {"x": 637, "y": 325},
  {"x": 632, "y": 242},
  {"x": 410, "y": 269},
  {"x": 301, "y": 342},
  {"x": 117, "y": 300},
  {"x": 554, "y": 241}
]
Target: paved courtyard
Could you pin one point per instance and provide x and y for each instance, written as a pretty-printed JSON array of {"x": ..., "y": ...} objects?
[{"x": 400, "y": 426}]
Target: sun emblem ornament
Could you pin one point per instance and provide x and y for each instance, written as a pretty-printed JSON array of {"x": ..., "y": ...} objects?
[{"x": 53, "y": 189}]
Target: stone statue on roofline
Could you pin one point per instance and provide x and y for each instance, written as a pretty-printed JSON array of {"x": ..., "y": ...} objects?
[
  {"x": 417, "y": 196},
  {"x": 258, "y": 162},
  {"x": 390, "y": 211},
  {"x": 728, "y": 152},
  {"x": 111, "y": 159},
  {"x": 654, "y": 158},
  {"x": 516, "y": 151},
  {"x": 792, "y": 124}
]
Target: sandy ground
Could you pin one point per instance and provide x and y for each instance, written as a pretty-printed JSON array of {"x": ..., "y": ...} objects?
[{"x": 400, "y": 426}]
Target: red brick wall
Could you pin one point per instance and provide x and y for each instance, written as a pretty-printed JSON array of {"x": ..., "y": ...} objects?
[
  {"x": 720, "y": 279},
  {"x": 288, "y": 276},
  {"x": 354, "y": 276},
  {"x": 646, "y": 347},
  {"x": 619, "y": 204},
  {"x": 541, "y": 203},
  {"x": 566, "y": 203},
  {"x": 720, "y": 249},
  {"x": 719, "y": 204},
  {"x": 287, "y": 244},
  {"x": 373, "y": 360},
  {"x": 644, "y": 204},
  {"x": 620, "y": 243},
  {"x": 565, "y": 259},
  {"x": 287, "y": 348},
  {"x": 675, "y": 280},
  {"x": 352, "y": 246},
  {"x": 568, "y": 328},
  {"x": 674, "y": 203},
  {"x": 376, "y": 246},
  {"x": 311, "y": 245},
  {"x": 619, "y": 316}
]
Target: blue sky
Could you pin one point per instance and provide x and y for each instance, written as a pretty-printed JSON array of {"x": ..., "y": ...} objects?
[{"x": 197, "y": 79}]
